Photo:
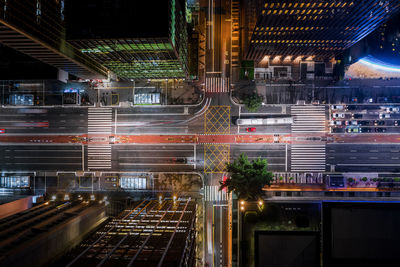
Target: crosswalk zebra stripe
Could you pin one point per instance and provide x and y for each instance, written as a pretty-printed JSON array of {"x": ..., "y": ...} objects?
[{"x": 212, "y": 193}]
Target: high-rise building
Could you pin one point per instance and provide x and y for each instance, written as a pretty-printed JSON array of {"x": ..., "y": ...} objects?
[
  {"x": 318, "y": 28},
  {"x": 134, "y": 39},
  {"x": 37, "y": 28}
]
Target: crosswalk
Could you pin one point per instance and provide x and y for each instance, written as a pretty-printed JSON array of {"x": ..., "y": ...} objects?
[
  {"x": 308, "y": 158},
  {"x": 309, "y": 119},
  {"x": 99, "y": 157},
  {"x": 212, "y": 193},
  {"x": 217, "y": 85},
  {"x": 100, "y": 120}
]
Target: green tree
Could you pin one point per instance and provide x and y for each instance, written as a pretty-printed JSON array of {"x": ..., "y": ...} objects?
[
  {"x": 247, "y": 178},
  {"x": 253, "y": 102}
]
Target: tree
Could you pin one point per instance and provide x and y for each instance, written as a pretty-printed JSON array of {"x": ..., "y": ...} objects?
[
  {"x": 247, "y": 178},
  {"x": 253, "y": 102}
]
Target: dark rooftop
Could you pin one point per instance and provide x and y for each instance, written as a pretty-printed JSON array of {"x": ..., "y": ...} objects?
[{"x": 117, "y": 19}]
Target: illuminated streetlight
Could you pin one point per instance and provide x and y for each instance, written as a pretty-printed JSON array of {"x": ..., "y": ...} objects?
[
  {"x": 53, "y": 197},
  {"x": 260, "y": 202}
]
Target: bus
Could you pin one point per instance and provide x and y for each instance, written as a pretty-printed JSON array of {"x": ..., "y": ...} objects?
[{"x": 267, "y": 121}]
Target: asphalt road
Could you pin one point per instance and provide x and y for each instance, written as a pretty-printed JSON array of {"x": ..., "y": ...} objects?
[
  {"x": 44, "y": 120},
  {"x": 153, "y": 157},
  {"x": 364, "y": 157},
  {"x": 41, "y": 157},
  {"x": 276, "y": 154}
]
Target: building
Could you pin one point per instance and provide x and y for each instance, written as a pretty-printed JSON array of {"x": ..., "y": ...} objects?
[
  {"x": 289, "y": 30},
  {"x": 134, "y": 39},
  {"x": 37, "y": 28}
]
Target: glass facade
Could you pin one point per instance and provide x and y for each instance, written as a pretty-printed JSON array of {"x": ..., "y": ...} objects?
[{"x": 315, "y": 28}]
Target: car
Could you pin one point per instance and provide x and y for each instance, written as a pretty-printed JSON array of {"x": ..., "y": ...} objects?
[
  {"x": 384, "y": 116},
  {"x": 352, "y": 130},
  {"x": 351, "y": 123},
  {"x": 392, "y": 109},
  {"x": 357, "y": 116},
  {"x": 179, "y": 160},
  {"x": 380, "y": 123},
  {"x": 338, "y": 107},
  {"x": 380, "y": 130},
  {"x": 338, "y": 115},
  {"x": 336, "y": 123},
  {"x": 2, "y": 131},
  {"x": 364, "y": 123},
  {"x": 365, "y": 130},
  {"x": 250, "y": 129},
  {"x": 396, "y": 123}
]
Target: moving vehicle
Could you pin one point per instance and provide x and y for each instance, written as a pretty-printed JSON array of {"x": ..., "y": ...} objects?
[
  {"x": 179, "y": 160},
  {"x": 267, "y": 121},
  {"x": 396, "y": 123},
  {"x": 250, "y": 129},
  {"x": 2, "y": 131}
]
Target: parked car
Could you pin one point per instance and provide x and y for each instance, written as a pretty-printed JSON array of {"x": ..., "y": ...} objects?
[
  {"x": 364, "y": 123},
  {"x": 392, "y": 109},
  {"x": 338, "y": 115},
  {"x": 352, "y": 130},
  {"x": 380, "y": 123},
  {"x": 357, "y": 116},
  {"x": 250, "y": 129},
  {"x": 384, "y": 116},
  {"x": 336, "y": 123},
  {"x": 338, "y": 107},
  {"x": 351, "y": 123},
  {"x": 396, "y": 123},
  {"x": 2, "y": 131},
  {"x": 365, "y": 130},
  {"x": 380, "y": 130}
]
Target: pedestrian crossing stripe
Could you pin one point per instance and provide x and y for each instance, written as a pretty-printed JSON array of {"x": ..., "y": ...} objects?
[{"x": 212, "y": 193}]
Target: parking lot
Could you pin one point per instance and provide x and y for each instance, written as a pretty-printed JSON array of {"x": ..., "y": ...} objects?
[{"x": 364, "y": 119}]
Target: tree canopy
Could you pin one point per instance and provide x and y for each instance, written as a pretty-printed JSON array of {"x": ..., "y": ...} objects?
[
  {"x": 253, "y": 102},
  {"x": 247, "y": 178}
]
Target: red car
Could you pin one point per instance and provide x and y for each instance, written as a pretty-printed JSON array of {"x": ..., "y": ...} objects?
[
  {"x": 250, "y": 129},
  {"x": 2, "y": 131}
]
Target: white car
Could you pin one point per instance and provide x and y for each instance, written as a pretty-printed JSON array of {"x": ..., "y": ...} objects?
[
  {"x": 392, "y": 109},
  {"x": 354, "y": 123},
  {"x": 337, "y": 107},
  {"x": 338, "y": 115},
  {"x": 384, "y": 116},
  {"x": 336, "y": 123}
]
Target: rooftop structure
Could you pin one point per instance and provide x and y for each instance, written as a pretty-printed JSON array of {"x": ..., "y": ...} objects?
[{"x": 320, "y": 29}]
